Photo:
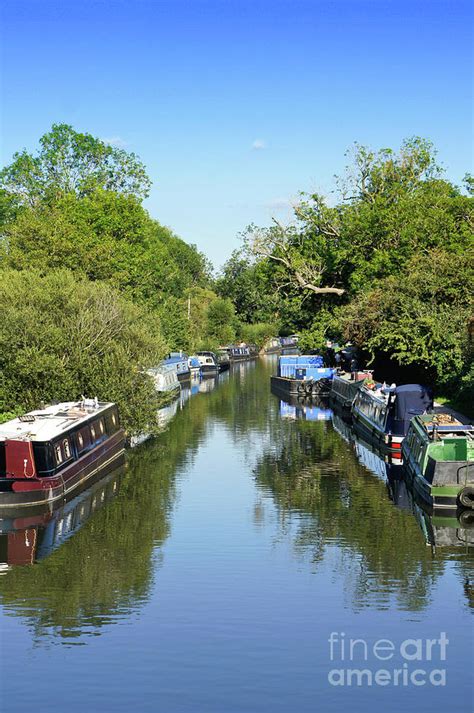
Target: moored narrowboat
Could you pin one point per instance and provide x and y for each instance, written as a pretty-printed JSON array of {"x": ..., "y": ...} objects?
[
  {"x": 208, "y": 362},
  {"x": 238, "y": 353},
  {"x": 46, "y": 454},
  {"x": 439, "y": 461},
  {"x": 272, "y": 346},
  {"x": 344, "y": 387},
  {"x": 165, "y": 378},
  {"x": 382, "y": 415},
  {"x": 179, "y": 361},
  {"x": 223, "y": 361},
  {"x": 303, "y": 376}
]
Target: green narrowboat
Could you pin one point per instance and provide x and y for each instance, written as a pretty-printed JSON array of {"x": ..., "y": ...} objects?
[{"x": 438, "y": 454}]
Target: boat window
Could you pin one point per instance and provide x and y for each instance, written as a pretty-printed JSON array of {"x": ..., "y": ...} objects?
[
  {"x": 114, "y": 419},
  {"x": 93, "y": 432},
  {"x": 101, "y": 426},
  {"x": 208, "y": 361},
  {"x": 67, "y": 448},
  {"x": 80, "y": 440},
  {"x": 58, "y": 454}
]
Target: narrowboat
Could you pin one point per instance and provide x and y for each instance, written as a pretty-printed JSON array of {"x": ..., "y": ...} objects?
[
  {"x": 237, "y": 353},
  {"x": 272, "y": 346},
  {"x": 179, "y": 361},
  {"x": 304, "y": 376},
  {"x": 46, "y": 454},
  {"x": 223, "y": 360},
  {"x": 382, "y": 415},
  {"x": 289, "y": 345},
  {"x": 344, "y": 387},
  {"x": 165, "y": 377},
  {"x": 439, "y": 461},
  {"x": 208, "y": 362}
]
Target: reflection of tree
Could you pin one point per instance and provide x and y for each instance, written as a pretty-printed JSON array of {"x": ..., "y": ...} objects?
[{"x": 381, "y": 549}]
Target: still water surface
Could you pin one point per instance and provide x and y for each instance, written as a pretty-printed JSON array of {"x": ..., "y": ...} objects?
[{"x": 209, "y": 575}]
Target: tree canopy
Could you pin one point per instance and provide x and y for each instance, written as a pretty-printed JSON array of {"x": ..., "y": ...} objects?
[{"x": 69, "y": 161}]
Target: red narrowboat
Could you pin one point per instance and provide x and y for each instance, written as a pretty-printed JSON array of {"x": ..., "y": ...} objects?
[{"x": 46, "y": 454}]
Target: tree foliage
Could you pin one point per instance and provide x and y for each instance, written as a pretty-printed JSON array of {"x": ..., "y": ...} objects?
[
  {"x": 72, "y": 162},
  {"x": 62, "y": 337}
]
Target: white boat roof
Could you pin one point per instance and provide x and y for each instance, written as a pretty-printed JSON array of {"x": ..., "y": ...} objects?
[{"x": 47, "y": 423}]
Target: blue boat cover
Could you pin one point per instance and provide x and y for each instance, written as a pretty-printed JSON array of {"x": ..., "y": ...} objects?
[{"x": 412, "y": 400}]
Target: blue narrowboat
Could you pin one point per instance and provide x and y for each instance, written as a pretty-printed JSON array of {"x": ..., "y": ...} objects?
[
  {"x": 303, "y": 376},
  {"x": 382, "y": 415}
]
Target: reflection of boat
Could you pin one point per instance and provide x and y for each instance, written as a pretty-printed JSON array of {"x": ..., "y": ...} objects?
[
  {"x": 302, "y": 375},
  {"x": 439, "y": 456},
  {"x": 208, "y": 385},
  {"x": 30, "y": 534},
  {"x": 45, "y": 454},
  {"x": 383, "y": 415},
  {"x": 165, "y": 414},
  {"x": 305, "y": 409}
]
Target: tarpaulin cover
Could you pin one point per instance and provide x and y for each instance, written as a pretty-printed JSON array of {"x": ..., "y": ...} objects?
[{"x": 411, "y": 400}]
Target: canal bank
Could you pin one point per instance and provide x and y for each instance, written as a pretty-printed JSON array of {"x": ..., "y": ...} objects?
[{"x": 237, "y": 542}]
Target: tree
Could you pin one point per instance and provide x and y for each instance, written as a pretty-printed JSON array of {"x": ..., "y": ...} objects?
[
  {"x": 62, "y": 337},
  {"x": 72, "y": 162},
  {"x": 106, "y": 236},
  {"x": 419, "y": 317},
  {"x": 284, "y": 245},
  {"x": 247, "y": 283}
]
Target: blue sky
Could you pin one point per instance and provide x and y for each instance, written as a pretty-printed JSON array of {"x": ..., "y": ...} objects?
[{"x": 235, "y": 106}]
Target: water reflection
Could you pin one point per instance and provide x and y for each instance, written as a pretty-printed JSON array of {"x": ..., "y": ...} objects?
[
  {"x": 447, "y": 530},
  {"x": 306, "y": 409},
  {"x": 97, "y": 554},
  {"x": 28, "y": 535},
  {"x": 315, "y": 487}
]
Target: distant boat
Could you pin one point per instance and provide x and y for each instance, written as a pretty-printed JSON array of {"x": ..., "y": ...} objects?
[
  {"x": 179, "y": 360},
  {"x": 383, "y": 414},
  {"x": 239, "y": 353},
  {"x": 48, "y": 453},
  {"x": 208, "y": 362},
  {"x": 165, "y": 377},
  {"x": 223, "y": 360},
  {"x": 272, "y": 346},
  {"x": 439, "y": 460}
]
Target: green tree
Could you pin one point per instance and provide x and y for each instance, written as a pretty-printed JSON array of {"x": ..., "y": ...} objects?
[
  {"x": 72, "y": 162},
  {"x": 62, "y": 337}
]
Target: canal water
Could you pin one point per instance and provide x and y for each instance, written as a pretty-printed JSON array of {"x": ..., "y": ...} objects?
[{"x": 227, "y": 569}]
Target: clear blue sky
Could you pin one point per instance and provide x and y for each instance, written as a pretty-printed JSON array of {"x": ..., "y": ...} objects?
[{"x": 235, "y": 106}]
